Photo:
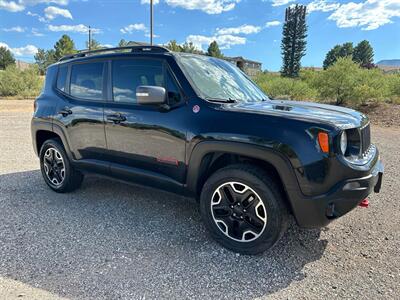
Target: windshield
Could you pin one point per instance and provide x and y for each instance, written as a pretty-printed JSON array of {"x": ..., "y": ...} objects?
[{"x": 217, "y": 79}]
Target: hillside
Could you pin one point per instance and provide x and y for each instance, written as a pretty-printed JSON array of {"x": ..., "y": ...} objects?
[{"x": 389, "y": 62}]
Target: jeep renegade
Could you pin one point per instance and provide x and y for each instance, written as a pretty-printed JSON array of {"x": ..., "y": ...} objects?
[{"x": 198, "y": 126}]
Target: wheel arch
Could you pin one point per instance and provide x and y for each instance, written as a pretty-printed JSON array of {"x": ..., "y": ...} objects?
[{"x": 209, "y": 156}]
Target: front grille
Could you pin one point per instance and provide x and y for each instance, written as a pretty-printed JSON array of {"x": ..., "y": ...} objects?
[{"x": 365, "y": 133}]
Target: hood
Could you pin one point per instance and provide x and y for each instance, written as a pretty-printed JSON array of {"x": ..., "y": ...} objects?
[{"x": 340, "y": 117}]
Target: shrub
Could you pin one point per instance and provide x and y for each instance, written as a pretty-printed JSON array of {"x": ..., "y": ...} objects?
[{"x": 15, "y": 82}]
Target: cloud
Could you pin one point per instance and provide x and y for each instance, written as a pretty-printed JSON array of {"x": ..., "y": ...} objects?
[
  {"x": 28, "y": 50},
  {"x": 225, "y": 41},
  {"x": 244, "y": 29},
  {"x": 53, "y": 12},
  {"x": 208, "y": 6},
  {"x": 281, "y": 2},
  {"x": 368, "y": 15},
  {"x": 20, "y": 5},
  {"x": 39, "y": 17},
  {"x": 272, "y": 23},
  {"x": 133, "y": 27},
  {"x": 322, "y": 5},
  {"x": 73, "y": 28},
  {"x": 14, "y": 29},
  {"x": 35, "y": 32},
  {"x": 11, "y": 6},
  {"x": 148, "y": 1}
]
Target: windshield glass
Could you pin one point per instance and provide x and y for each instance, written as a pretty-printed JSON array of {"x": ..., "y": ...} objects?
[{"x": 217, "y": 79}]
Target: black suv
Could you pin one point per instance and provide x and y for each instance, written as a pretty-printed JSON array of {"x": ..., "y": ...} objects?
[{"x": 196, "y": 125}]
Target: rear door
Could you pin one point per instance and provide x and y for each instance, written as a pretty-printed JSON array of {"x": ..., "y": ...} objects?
[
  {"x": 148, "y": 138},
  {"x": 80, "y": 111}
]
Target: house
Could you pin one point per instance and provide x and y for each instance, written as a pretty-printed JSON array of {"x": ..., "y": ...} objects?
[{"x": 250, "y": 67}]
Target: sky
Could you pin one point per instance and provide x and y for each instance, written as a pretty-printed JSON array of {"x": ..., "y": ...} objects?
[{"x": 248, "y": 28}]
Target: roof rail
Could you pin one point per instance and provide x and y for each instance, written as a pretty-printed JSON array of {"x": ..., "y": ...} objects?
[{"x": 136, "y": 49}]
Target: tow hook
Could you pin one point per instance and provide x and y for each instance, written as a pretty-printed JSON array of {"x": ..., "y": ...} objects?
[{"x": 364, "y": 203}]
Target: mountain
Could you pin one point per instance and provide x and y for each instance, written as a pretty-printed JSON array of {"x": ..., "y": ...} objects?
[{"x": 389, "y": 62}]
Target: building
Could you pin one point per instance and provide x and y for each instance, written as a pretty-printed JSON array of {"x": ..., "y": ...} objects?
[{"x": 250, "y": 67}]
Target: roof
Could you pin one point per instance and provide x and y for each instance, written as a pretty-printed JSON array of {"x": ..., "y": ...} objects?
[{"x": 241, "y": 58}]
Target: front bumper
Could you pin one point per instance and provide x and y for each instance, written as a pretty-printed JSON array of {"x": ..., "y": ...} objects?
[{"x": 314, "y": 212}]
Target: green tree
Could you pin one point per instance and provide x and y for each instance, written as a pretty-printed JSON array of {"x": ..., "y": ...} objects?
[
  {"x": 44, "y": 59},
  {"x": 294, "y": 40},
  {"x": 174, "y": 46},
  {"x": 364, "y": 54},
  {"x": 339, "y": 81},
  {"x": 213, "y": 50},
  {"x": 336, "y": 52},
  {"x": 6, "y": 58},
  {"x": 65, "y": 45},
  {"x": 122, "y": 43},
  {"x": 190, "y": 48},
  {"x": 94, "y": 45}
]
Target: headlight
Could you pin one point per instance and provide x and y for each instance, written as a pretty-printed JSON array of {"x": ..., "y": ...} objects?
[{"x": 343, "y": 142}]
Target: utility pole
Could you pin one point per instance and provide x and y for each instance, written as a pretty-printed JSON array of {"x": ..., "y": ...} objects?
[
  {"x": 151, "y": 22},
  {"x": 90, "y": 39}
]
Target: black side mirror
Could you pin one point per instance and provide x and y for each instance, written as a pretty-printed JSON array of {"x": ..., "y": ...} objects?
[{"x": 150, "y": 95}]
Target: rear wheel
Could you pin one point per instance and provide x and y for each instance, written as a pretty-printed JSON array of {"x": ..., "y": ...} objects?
[
  {"x": 243, "y": 209},
  {"x": 56, "y": 168}
]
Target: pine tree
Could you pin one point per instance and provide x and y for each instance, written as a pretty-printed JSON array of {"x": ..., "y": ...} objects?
[
  {"x": 174, "y": 46},
  {"x": 65, "y": 45},
  {"x": 364, "y": 54},
  {"x": 94, "y": 45},
  {"x": 122, "y": 43},
  {"x": 6, "y": 58},
  {"x": 44, "y": 59},
  {"x": 294, "y": 40},
  {"x": 213, "y": 50}
]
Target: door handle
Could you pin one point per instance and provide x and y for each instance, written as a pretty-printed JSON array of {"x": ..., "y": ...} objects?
[
  {"x": 65, "y": 112},
  {"x": 116, "y": 118}
]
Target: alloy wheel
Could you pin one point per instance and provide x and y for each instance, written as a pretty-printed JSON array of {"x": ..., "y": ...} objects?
[
  {"x": 238, "y": 211},
  {"x": 54, "y": 167}
]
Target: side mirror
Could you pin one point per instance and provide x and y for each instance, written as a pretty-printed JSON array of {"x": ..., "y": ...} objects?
[{"x": 150, "y": 95}]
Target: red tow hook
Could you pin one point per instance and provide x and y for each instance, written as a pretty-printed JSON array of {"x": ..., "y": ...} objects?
[{"x": 364, "y": 203}]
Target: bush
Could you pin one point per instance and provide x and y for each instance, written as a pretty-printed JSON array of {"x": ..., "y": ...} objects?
[
  {"x": 285, "y": 88},
  {"x": 24, "y": 84}
]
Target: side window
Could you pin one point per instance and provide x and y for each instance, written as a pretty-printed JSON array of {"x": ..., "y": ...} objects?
[
  {"x": 128, "y": 74},
  {"x": 62, "y": 78},
  {"x": 87, "y": 81},
  {"x": 174, "y": 95}
]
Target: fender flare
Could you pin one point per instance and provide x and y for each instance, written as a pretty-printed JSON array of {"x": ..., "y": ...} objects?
[{"x": 273, "y": 157}]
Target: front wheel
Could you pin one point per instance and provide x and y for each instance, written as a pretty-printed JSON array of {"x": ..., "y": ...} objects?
[
  {"x": 56, "y": 168},
  {"x": 243, "y": 209}
]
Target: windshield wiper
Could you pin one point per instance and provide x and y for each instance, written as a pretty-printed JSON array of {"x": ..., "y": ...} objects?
[{"x": 230, "y": 100}]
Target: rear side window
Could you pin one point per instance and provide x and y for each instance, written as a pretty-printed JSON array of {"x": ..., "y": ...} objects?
[
  {"x": 128, "y": 74},
  {"x": 62, "y": 78},
  {"x": 87, "y": 81}
]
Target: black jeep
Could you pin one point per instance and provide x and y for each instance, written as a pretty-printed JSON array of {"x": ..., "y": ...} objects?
[{"x": 198, "y": 126}]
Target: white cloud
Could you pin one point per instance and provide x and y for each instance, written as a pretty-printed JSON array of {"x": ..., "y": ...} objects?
[
  {"x": 224, "y": 41},
  {"x": 107, "y": 46},
  {"x": 281, "y": 2},
  {"x": 35, "y": 32},
  {"x": 148, "y": 1},
  {"x": 14, "y": 29},
  {"x": 368, "y": 15},
  {"x": 272, "y": 23},
  {"x": 11, "y": 6},
  {"x": 322, "y": 5},
  {"x": 155, "y": 36},
  {"x": 40, "y": 18},
  {"x": 208, "y": 6},
  {"x": 20, "y": 5},
  {"x": 133, "y": 27},
  {"x": 53, "y": 12},
  {"x": 73, "y": 28},
  {"x": 28, "y": 50},
  {"x": 244, "y": 29}
]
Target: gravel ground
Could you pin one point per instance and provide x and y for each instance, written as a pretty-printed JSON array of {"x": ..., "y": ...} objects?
[{"x": 110, "y": 240}]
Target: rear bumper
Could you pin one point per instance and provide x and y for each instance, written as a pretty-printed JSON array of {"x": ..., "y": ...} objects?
[{"x": 314, "y": 212}]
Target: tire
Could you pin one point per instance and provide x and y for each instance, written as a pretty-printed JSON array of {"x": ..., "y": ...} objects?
[
  {"x": 59, "y": 174},
  {"x": 243, "y": 209}
]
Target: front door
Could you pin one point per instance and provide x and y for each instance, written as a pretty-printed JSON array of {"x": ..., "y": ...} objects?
[{"x": 144, "y": 137}]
